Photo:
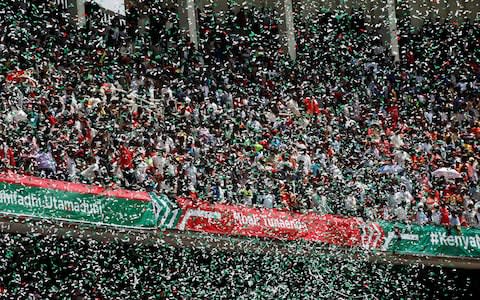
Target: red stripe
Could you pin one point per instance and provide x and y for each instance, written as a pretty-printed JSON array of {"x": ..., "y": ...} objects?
[{"x": 72, "y": 187}]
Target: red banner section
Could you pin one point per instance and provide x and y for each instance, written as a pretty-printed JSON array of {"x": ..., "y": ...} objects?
[
  {"x": 65, "y": 186},
  {"x": 236, "y": 220}
]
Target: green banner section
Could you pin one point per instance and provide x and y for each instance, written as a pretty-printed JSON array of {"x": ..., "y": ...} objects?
[
  {"x": 35, "y": 202},
  {"x": 167, "y": 213},
  {"x": 430, "y": 240}
]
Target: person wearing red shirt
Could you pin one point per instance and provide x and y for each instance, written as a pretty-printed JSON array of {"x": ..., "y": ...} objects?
[
  {"x": 394, "y": 115},
  {"x": 126, "y": 158},
  {"x": 311, "y": 105},
  {"x": 445, "y": 217},
  {"x": 7, "y": 156},
  {"x": 125, "y": 163}
]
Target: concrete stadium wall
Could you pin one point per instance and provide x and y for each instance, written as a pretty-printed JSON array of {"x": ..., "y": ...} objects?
[{"x": 418, "y": 9}]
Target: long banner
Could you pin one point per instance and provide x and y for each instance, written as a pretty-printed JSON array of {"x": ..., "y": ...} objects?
[
  {"x": 383, "y": 236},
  {"x": 430, "y": 240},
  {"x": 27, "y": 196},
  {"x": 277, "y": 224}
]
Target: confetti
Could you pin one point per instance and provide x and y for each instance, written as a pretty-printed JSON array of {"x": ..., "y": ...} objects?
[{"x": 132, "y": 101}]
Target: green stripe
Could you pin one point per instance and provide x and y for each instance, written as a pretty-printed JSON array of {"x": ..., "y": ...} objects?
[
  {"x": 76, "y": 207},
  {"x": 430, "y": 240}
]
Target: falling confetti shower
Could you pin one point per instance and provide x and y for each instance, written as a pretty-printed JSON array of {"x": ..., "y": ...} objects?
[
  {"x": 45, "y": 267},
  {"x": 364, "y": 109}
]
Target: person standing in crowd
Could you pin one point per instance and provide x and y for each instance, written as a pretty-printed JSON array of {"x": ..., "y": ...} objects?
[{"x": 107, "y": 105}]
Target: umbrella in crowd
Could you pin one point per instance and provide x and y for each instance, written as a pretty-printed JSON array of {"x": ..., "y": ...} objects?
[
  {"x": 390, "y": 169},
  {"x": 447, "y": 173}
]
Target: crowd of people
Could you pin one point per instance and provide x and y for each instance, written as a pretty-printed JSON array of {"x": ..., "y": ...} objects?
[{"x": 342, "y": 129}]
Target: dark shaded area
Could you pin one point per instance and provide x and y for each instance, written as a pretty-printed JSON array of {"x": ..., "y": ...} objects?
[{"x": 46, "y": 267}]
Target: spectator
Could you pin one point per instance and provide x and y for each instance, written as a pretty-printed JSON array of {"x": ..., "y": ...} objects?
[
  {"x": 112, "y": 106},
  {"x": 421, "y": 218},
  {"x": 436, "y": 215}
]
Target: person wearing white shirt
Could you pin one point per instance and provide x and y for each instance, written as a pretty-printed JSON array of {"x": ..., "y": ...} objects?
[
  {"x": 421, "y": 217},
  {"x": 469, "y": 216},
  {"x": 385, "y": 212},
  {"x": 455, "y": 221},
  {"x": 159, "y": 162},
  {"x": 71, "y": 168},
  {"x": 191, "y": 173},
  {"x": 90, "y": 172},
  {"x": 401, "y": 213},
  {"x": 477, "y": 217},
  {"x": 397, "y": 141},
  {"x": 403, "y": 196},
  {"x": 268, "y": 200},
  {"x": 306, "y": 161},
  {"x": 400, "y": 157},
  {"x": 293, "y": 106},
  {"x": 169, "y": 144},
  {"x": 351, "y": 204},
  {"x": 141, "y": 171},
  {"x": 436, "y": 216}
]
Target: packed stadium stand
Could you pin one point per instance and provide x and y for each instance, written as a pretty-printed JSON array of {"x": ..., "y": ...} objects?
[
  {"x": 344, "y": 128},
  {"x": 334, "y": 109}
]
